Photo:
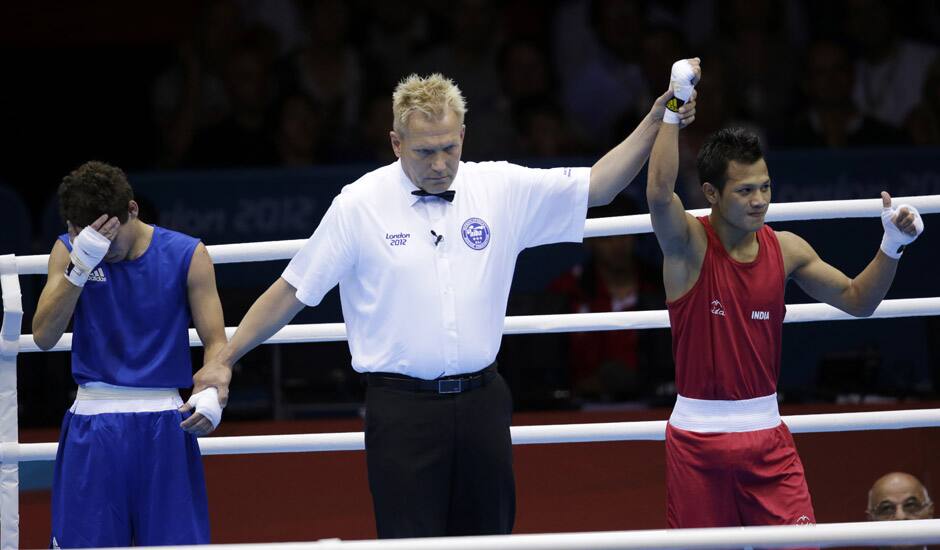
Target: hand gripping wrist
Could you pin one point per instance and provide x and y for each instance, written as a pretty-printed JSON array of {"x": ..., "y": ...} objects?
[
  {"x": 88, "y": 249},
  {"x": 894, "y": 240},
  {"x": 207, "y": 404},
  {"x": 682, "y": 83}
]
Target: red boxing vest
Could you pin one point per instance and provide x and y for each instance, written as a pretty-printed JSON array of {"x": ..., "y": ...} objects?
[{"x": 726, "y": 330}]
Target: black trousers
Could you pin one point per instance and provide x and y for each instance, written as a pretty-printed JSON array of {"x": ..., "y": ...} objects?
[{"x": 440, "y": 464}]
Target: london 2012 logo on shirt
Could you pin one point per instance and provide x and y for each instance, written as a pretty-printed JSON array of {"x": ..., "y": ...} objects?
[
  {"x": 397, "y": 239},
  {"x": 475, "y": 233}
]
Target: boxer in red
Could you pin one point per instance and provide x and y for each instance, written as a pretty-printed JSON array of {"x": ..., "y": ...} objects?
[{"x": 730, "y": 461}]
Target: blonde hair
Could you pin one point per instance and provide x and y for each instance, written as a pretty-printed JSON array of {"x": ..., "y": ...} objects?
[{"x": 430, "y": 95}]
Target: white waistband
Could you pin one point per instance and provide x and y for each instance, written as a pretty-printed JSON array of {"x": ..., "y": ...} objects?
[
  {"x": 716, "y": 416},
  {"x": 98, "y": 398}
]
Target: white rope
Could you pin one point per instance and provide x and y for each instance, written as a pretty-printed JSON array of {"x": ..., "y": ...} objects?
[
  {"x": 778, "y": 212},
  {"x": 571, "y": 322},
  {"x": 796, "y": 313},
  {"x": 879, "y": 533},
  {"x": 654, "y": 430},
  {"x": 621, "y": 225}
]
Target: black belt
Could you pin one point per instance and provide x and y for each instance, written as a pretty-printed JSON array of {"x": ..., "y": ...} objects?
[{"x": 457, "y": 383}]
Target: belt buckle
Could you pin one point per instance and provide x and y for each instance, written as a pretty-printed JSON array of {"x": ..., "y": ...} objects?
[{"x": 450, "y": 386}]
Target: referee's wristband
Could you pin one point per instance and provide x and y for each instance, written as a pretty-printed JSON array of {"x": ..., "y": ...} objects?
[{"x": 76, "y": 274}]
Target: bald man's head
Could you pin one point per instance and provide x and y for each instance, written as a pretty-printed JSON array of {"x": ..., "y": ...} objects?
[{"x": 898, "y": 496}]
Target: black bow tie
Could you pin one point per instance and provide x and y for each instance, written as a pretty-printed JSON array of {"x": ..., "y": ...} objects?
[{"x": 446, "y": 195}]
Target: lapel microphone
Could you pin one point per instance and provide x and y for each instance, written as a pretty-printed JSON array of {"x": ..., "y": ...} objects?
[{"x": 437, "y": 238}]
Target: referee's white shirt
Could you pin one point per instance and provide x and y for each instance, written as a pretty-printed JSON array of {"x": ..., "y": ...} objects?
[{"x": 423, "y": 309}]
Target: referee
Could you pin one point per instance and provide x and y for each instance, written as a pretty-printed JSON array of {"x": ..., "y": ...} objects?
[{"x": 423, "y": 251}]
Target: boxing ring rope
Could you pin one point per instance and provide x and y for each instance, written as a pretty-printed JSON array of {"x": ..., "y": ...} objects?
[
  {"x": 12, "y": 342},
  {"x": 923, "y": 531},
  {"x": 651, "y": 430},
  {"x": 598, "y": 227},
  {"x": 570, "y": 322}
]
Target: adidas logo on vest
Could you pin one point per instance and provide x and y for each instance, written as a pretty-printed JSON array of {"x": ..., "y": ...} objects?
[{"x": 97, "y": 275}]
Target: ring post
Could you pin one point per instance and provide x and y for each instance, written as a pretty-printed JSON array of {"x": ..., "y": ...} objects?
[{"x": 9, "y": 434}]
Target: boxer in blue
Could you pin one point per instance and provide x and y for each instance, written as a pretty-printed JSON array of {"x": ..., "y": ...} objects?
[{"x": 126, "y": 472}]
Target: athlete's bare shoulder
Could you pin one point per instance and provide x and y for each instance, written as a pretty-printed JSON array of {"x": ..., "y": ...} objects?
[{"x": 795, "y": 250}]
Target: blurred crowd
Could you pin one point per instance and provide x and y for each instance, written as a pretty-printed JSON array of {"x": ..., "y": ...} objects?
[
  {"x": 282, "y": 82},
  {"x": 236, "y": 83}
]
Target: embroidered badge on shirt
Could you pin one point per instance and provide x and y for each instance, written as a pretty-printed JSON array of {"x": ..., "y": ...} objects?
[{"x": 475, "y": 233}]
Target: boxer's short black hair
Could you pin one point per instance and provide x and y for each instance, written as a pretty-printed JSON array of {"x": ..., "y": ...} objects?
[
  {"x": 93, "y": 189},
  {"x": 722, "y": 147}
]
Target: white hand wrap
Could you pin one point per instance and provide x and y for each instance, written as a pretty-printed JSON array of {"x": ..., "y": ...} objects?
[
  {"x": 88, "y": 249},
  {"x": 207, "y": 404},
  {"x": 895, "y": 240},
  {"x": 682, "y": 83}
]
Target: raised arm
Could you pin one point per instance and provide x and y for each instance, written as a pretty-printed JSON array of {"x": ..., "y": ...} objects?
[
  {"x": 671, "y": 223},
  {"x": 680, "y": 236},
  {"x": 615, "y": 170},
  {"x": 859, "y": 296}
]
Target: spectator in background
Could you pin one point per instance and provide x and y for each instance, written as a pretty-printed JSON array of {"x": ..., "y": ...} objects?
[
  {"x": 190, "y": 96},
  {"x": 831, "y": 119},
  {"x": 756, "y": 40},
  {"x": 543, "y": 130},
  {"x": 245, "y": 136},
  {"x": 620, "y": 364},
  {"x": 898, "y": 496},
  {"x": 328, "y": 68},
  {"x": 528, "y": 21},
  {"x": 890, "y": 74},
  {"x": 525, "y": 72},
  {"x": 300, "y": 132},
  {"x": 281, "y": 17},
  {"x": 469, "y": 56},
  {"x": 923, "y": 123},
  {"x": 393, "y": 36},
  {"x": 527, "y": 85},
  {"x": 470, "y": 50},
  {"x": 371, "y": 144},
  {"x": 606, "y": 86},
  {"x": 700, "y": 19}
]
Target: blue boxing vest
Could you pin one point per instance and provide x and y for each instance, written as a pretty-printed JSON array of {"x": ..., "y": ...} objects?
[{"x": 131, "y": 323}]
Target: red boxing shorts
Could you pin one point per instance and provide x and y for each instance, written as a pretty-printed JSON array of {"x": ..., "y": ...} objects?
[{"x": 735, "y": 479}]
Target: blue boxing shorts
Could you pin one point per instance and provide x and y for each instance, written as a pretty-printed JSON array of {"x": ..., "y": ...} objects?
[{"x": 126, "y": 473}]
